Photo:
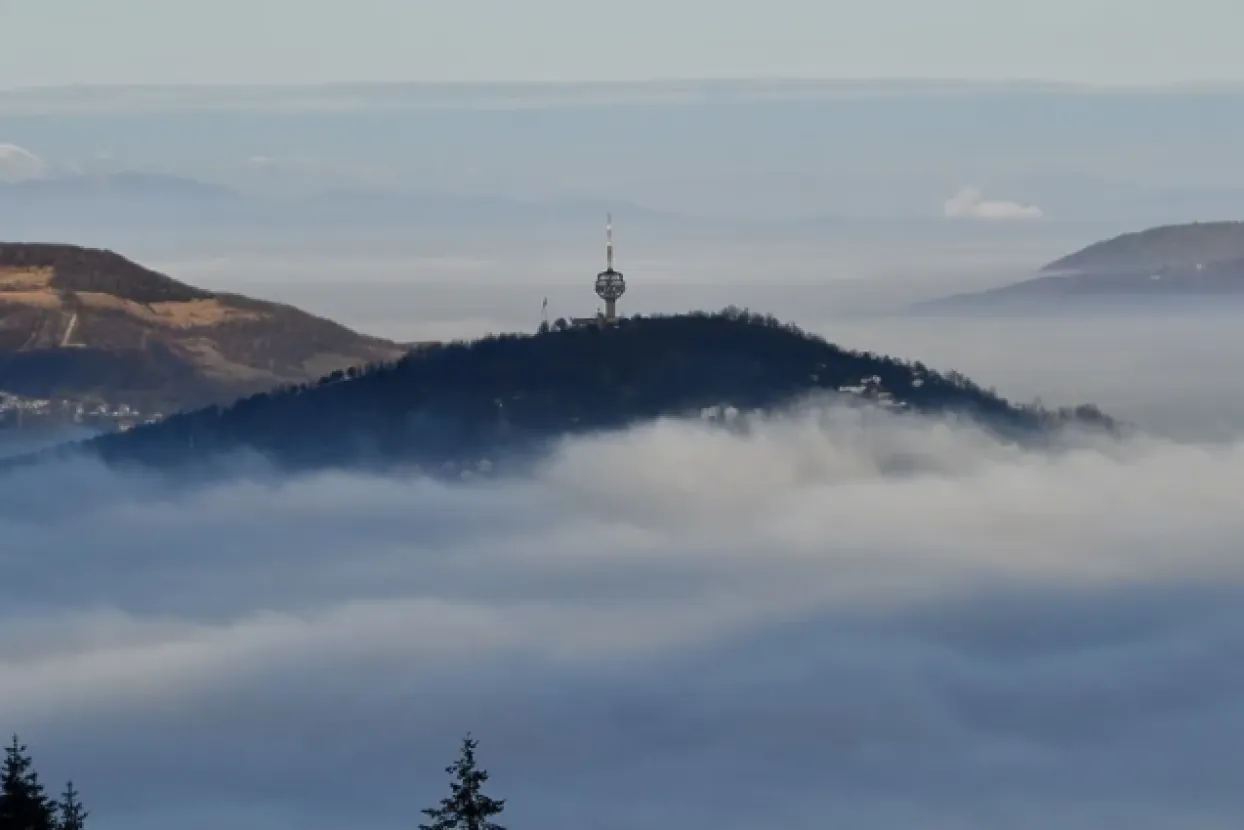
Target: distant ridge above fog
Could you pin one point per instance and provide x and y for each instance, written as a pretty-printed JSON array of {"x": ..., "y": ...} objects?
[
  {"x": 83, "y": 205},
  {"x": 1164, "y": 247},
  {"x": 1170, "y": 262},
  {"x": 816, "y": 148}
]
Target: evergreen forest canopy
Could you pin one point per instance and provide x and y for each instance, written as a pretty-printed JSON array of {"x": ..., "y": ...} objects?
[
  {"x": 450, "y": 405},
  {"x": 24, "y": 802}
]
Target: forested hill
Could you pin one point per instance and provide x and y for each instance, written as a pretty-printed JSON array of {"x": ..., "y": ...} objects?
[{"x": 453, "y": 404}]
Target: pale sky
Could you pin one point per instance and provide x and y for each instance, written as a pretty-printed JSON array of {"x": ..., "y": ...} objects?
[{"x": 306, "y": 41}]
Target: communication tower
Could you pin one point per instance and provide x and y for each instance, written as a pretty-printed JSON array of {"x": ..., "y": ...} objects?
[{"x": 610, "y": 284}]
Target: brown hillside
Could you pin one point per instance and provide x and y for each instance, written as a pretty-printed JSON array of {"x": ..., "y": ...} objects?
[{"x": 90, "y": 324}]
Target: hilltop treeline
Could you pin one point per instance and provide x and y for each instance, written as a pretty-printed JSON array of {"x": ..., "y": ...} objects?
[{"x": 463, "y": 400}]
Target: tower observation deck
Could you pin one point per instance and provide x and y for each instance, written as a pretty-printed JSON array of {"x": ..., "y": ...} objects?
[{"x": 610, "y": 284}]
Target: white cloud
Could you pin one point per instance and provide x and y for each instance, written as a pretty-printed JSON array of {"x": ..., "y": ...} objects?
[
  {"x": 297, "y": 163},
  {"x": 18, "y": 164},
  {"x": 886, "y": 623},
  {"x": 970, "y": 203}
]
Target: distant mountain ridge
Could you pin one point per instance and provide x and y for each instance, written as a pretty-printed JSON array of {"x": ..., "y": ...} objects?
[
  {"x": 56, "y": 207},
  {"x": 89, "y": 324},
  {"x": 1159, "y": 265},
  {"x": 467, "y": 406},
  {"x": 1166, "y": 247}
]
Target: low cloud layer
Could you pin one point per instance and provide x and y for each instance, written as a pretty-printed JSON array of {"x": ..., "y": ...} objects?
[
  {"x": 817, "y": 620},
  {"x": 970, "y": 203},
  {"x": 18, "y": 164}
]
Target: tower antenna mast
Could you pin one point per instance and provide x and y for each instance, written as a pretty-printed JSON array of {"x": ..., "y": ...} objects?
[
  {"x": 609, "y": 241},
  {"x": 610, "y": 284}
]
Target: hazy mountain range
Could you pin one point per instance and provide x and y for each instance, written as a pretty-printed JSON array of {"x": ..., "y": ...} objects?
[
  {"x": 757, "y": 150},
  {"x": 43, "y": 208}
]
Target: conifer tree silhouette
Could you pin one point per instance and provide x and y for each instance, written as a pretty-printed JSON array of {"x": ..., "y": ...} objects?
[
  {"x": 23, "y": 804},
  {"x": 71, "y": 814},
  {"x": 466, "y": 807}
]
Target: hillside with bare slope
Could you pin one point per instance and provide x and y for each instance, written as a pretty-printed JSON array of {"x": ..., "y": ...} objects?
[{"x": 89, "y": 324}]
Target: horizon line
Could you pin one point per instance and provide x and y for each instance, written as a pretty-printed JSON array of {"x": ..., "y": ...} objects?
[{"x": 817, "y": 80}]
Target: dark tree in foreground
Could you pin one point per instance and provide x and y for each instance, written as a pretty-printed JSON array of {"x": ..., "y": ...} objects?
[
  {"x": 72, "y": 814},
  {"x": 466, "y": 808},
  {"x": 23, "y": 803}
]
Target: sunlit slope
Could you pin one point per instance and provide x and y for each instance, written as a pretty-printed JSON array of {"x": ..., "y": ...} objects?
[{"x": 84, "y": 323}]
